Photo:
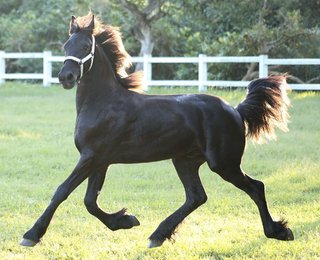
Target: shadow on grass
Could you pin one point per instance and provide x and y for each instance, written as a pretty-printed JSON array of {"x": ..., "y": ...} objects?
[
  {"x": 305, "y": 228},
  {"x": 235, "y": 251},
  {"x": 302, "y": 232}
]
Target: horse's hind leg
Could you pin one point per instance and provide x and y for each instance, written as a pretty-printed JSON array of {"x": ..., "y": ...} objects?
[
  {"x": 195, "y": 196},
  {"x": 255, "y": 189},
  {"x": 114, "y": 221}
]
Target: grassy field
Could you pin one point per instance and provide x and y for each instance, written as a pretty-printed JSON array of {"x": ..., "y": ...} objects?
[{"x": 37, "y": 153}]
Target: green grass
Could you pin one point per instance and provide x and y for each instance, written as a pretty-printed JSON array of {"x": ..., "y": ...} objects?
[{"x": 37, "y": 153}]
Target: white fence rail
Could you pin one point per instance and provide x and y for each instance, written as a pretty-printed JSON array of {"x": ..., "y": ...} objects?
[{"x": 202, "y": 60}]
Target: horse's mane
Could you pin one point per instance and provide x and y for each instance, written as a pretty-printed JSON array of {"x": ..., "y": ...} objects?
[{"x": 109, "y": 38}]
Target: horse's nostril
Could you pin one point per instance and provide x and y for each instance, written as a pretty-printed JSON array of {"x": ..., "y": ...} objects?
[
  {"x": 61, "y": 77},
  {"x": 70, "y": 76}
]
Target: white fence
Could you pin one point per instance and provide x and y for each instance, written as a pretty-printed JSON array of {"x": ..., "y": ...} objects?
[{"x": 202, "y": 60}]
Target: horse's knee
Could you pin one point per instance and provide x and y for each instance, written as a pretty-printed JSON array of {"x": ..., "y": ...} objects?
[
  {"x": 259, "y": 185},
  {"x": 91, "y": 205},
  {"x": 258, "y": 189},
  {"x": 60, "y": 195},
  {"x": 202, "y": 198},
  {"x": 197, "y": 199}
]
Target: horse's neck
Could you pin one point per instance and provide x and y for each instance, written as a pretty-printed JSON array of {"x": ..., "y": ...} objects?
[{"x": 98, "y": 85}]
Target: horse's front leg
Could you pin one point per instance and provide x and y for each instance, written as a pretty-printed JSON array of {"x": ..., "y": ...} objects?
[
  {"x": 79, "y": 174},
  {"x": 119, "y": 220}
]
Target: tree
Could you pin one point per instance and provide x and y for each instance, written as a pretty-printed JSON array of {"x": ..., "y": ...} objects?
[
  {"x": 175, "y": 28},
  {"x": 34, "y": 25},
  {"x": 277, "y": 28},
  {"x": 286, "y": 33},
  {"x": 143, "y": 22}
]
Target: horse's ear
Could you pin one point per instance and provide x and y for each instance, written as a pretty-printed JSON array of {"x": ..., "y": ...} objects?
[
  {"x": 91, "y": 24},
  {"x": 74, "y": 27}
]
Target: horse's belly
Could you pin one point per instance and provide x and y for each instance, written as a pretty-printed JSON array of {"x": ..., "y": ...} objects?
[{"x": 160, "y": 148}]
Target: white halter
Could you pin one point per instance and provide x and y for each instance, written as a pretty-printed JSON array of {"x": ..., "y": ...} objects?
[{"x": 82, "y": 61}]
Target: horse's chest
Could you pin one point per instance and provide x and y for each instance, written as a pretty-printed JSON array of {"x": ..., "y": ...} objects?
[{"x": 99, "y": 128}]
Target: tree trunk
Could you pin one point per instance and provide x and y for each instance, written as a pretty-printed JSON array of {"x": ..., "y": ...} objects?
[
  {"x": 142, "y": 27},
  {"x": 250, "y": 72},
  {"x": 146, "y": 41}
]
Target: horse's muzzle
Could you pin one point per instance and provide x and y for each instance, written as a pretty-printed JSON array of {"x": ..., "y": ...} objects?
[{"x": 67, "y": 80}]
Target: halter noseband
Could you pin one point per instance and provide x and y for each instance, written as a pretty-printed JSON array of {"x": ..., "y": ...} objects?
[{"x": 82, "y": 61}]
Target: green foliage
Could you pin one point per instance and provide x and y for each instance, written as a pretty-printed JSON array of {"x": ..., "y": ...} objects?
[
  {"x": 189, "y": 27},
  {"x": 37, "y": 153},
  {"x": 34, "y": 26},
  {"x": 37, "y": 25}
]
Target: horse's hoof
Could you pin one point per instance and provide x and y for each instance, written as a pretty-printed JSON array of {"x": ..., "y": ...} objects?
[
  {"x": 27, "y": 242},
  {"x": 124, "y": 222},
  {"x": 154, "y": 243},
  {"x": 134, "y": 221},
  {"x": 290, "y": 236}
]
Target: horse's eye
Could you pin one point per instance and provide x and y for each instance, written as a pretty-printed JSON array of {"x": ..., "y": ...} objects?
[{"x": 87, "y": 48}]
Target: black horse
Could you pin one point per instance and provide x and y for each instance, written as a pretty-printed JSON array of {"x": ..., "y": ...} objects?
[{"x": 116, "y": 125}]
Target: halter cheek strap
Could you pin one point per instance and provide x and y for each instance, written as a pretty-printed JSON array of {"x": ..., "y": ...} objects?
[{"x": 82, "y": 61}]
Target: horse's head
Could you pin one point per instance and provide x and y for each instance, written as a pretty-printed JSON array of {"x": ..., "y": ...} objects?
[{"x": 79, "y": 51}]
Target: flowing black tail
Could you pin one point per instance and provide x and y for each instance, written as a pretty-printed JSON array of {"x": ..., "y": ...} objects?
[{"x": 265, "y": 107}]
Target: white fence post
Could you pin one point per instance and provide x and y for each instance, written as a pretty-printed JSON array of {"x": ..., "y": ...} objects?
[
  {"x": 202, "y": 73},
  {"x": 2, "y": 67},
  {"x": 147, "y": 70},
  {"x": 263, "y": 66},
  {"x": 47, "y": 68}
]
